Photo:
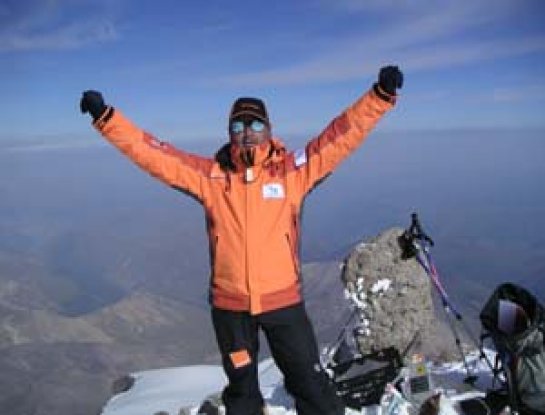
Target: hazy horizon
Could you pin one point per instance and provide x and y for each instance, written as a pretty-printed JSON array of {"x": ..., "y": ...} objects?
[
  {"x": 81, "y": 212},
  {"x": 104, "y": 270}
]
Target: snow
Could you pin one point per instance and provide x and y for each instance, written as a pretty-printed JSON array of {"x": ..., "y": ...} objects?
[
  {"x": 381, "y": 285},
  {"x": 167, "y": 390},
  {"x": 171, "y": 389}
]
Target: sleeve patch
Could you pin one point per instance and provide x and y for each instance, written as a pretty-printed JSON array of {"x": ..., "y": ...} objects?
[
  {"x": 300, "y": 156},
  {"x": 154, "y": 142}
]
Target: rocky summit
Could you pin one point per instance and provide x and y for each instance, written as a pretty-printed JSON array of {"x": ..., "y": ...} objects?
[{"x": 392, "y": 297}]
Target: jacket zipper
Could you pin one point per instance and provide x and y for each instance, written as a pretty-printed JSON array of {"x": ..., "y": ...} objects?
[
  {"x": 292, "y": 252},
  {"x": 295, "y": 233},
  {"x": 215, "y": 252},
  {"x": 246, "y": 259}
]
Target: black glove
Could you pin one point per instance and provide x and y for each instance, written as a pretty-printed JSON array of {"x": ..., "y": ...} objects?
[
  {"x": 389, "y": 79},
  {"x": 93, "y": 103}
]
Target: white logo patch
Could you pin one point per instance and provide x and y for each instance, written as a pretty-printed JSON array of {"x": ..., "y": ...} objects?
[
  {"x": 273, "y": 191},
  {"x": 300, "y": 157}
]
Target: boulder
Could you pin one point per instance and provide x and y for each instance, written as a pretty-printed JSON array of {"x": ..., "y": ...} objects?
[
  {"x": 392, "y": 296},
  {"x": 122, "y": 384}
]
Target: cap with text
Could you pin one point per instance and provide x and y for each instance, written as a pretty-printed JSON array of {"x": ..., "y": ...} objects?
[{"x": 249, "y": 107}]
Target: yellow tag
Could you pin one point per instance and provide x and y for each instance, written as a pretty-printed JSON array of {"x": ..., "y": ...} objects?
[{"x": 420, "y": 369}]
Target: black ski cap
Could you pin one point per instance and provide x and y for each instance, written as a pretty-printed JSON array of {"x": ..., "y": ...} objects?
[{"x": 249, "y": 106}]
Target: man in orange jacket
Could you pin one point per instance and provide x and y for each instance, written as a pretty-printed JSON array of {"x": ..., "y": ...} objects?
[{"x": 252, "y": 191}]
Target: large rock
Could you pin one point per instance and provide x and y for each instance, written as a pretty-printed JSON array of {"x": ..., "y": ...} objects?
[{"x": 392, "y": 295}]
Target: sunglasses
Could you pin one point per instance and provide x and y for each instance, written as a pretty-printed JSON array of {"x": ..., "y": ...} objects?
[{"x": 255, "y": 125}]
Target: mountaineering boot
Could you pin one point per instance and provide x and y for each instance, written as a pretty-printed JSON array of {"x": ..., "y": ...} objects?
[{"x": 208, "y": 408}]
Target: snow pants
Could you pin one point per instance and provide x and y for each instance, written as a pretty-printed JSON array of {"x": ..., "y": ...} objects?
[{"x": 293, "y": 346}]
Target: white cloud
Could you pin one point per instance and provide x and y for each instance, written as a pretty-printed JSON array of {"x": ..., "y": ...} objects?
[
  {"x": 71, "y": 36},
  {"x": 474, "y": 52},
  {"x": 495, "y": 96},
  {"x": 519, "y": 93},
  {"x": 391, "y": 8},
  {"x": 339, "y": 68},
  {"x": 53, "y": 25},
  {"x": 439, "y": 37}
]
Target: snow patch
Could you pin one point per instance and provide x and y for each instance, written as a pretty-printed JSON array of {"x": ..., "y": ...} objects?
[
  {"x": 167, "y": 390},
  {"x": 381, "y": 285},
  {"x": 171, "y": 389}
]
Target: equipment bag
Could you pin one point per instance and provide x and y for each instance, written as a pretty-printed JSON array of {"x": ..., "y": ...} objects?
[
  {"x": 361, "y": 380},
  {"x": 515, "y": 321}
]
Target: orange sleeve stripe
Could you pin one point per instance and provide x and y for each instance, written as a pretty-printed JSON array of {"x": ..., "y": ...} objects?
[
  {"x": 337, "y": 128},
  {"x": 197, "y": 163}
]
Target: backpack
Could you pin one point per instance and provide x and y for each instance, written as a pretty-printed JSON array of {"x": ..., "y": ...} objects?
[
  {"x": 515, "y": 322},
  {"x": 360, "y": 380}
]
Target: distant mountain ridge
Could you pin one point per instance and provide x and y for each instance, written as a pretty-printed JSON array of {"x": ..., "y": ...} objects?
[{"x": 47, "y": 351}]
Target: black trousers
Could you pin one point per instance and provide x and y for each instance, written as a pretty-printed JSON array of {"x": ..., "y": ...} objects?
[{"x": 293, "y": 346}]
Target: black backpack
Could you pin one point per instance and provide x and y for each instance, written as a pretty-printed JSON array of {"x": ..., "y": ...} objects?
[
  {"x": 515, "y": 322},
  {"x": 360, "y": 379}
]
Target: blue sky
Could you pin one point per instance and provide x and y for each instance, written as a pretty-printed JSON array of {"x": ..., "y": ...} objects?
[{"x": 176, "y": 66}]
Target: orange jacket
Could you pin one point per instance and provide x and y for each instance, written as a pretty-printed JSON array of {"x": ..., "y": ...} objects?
[{"x": 252, "y": 217}]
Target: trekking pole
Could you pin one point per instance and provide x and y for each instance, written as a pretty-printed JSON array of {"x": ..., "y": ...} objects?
[
  {"x": 332, "y": 350},
  {"x": 415, "y": 242},
  {"x": 424, "y": 260}
]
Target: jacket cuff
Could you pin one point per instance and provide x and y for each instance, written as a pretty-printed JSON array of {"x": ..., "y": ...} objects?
[
  {"x": 104, "y": 118},
  {"x": 383, "y": 94}
]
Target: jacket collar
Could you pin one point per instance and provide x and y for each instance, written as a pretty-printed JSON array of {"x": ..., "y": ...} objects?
[{"x": 270, "y": 152}]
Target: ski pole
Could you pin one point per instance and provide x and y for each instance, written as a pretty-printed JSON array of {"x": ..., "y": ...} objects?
[
  {"x": 334, "y": 347},
  {"x": 415, "y": 242},
  {"x": 448, "y": 309},
  {"x": 425, "y": 259}
]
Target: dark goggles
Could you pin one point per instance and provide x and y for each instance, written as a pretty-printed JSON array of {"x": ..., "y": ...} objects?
[{"x": 237, "y": 126}]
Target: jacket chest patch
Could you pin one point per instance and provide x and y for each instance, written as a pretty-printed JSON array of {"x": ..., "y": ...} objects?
[{"x": 273, "y": 191}]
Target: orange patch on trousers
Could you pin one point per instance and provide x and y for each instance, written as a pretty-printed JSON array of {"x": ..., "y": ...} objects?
[{"x": 240, "y": 358}]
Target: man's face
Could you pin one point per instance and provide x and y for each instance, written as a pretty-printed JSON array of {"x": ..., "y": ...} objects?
[{"x": 248, "y": 132}]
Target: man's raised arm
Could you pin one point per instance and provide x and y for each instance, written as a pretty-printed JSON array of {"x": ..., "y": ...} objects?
[{"x": 178, "y": 169}]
